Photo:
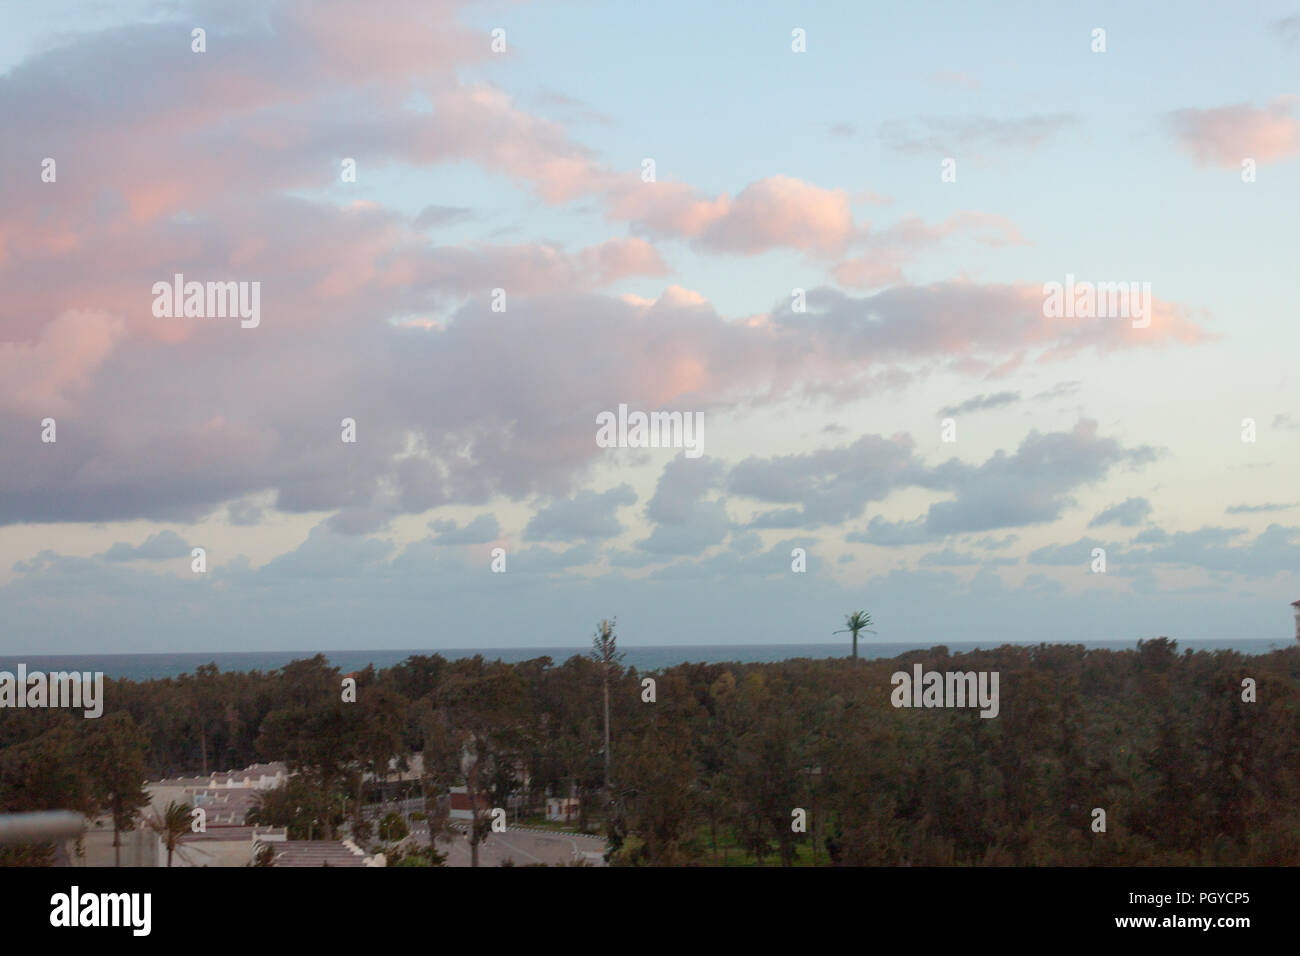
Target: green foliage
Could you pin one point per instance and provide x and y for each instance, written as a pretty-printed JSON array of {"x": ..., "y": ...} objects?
[
  {"x": 298, "y": 804},
  {"x": 420, "y": 856},
  {"x": 853, "y": 623},
  {"x": 412, "y": 861},
  {"x": 175, "y": 822},
  {"x": 1187, "y": 772},
  {"x": 392, "y": 827}
]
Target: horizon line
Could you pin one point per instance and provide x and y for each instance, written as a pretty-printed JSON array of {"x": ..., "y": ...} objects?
[{"x": 543, "y": 647}]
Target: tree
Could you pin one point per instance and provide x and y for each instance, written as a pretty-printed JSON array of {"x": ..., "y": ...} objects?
[
  {"x": 604, "y": 651},
  {"x": 440, "y": 752},
  {"x": 380, "y": 716},
  {"x": 857, "y": 621},
  {"x": 172, "y": 825},
  {"x": 766, "y": 765},
  {"x": 294, "y": 805},
  {"x": 115, "y": 756},
  {"x": 655, "y": 816},
  {"x": 482, "y": 708},
  {"x": 313, "y": 730},
  {"x": 392, "y": 828},
  {"x": 205, "y": 704},
  {"x": 43, "y": 772}
]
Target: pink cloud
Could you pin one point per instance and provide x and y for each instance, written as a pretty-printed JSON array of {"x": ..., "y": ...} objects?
[
  {"x": 389, "y": 39},
  {"x": 619, "y": 258},
  {"x": 46, "y": 376},
  {"x": 537, "y": 268},
  {"x": 872, "y": 271},
  {"x": 364, "y": 316},
  {"x": 778, "y": 211},
  {"x": 181, "y": 428},
  {"x": 985, "y": 228},
  {"x": 481, "y": 124},
  {"x": 1229, "y": 134},
  {"x": 324, "y": 81}
]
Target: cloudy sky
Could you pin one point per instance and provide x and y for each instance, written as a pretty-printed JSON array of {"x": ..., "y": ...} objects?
[{"x": 1172, "y": 158}]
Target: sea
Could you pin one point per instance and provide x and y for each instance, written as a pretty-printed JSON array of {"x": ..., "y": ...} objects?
[{"x": 643, "y": 658}]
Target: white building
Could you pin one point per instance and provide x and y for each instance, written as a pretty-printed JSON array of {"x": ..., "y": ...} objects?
[
  {"x": 260, "y": 776},
  {"x": 222, "y": 846},
  {"x": 562, "y": 809}
]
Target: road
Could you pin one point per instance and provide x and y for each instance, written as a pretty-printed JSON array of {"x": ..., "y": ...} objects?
[
  {"x": 521, "y": 846},
  {"x": 524, "y": 847}
]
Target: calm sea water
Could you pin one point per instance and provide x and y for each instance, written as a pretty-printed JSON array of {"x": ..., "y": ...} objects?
[{"x": 147, "y": 666}]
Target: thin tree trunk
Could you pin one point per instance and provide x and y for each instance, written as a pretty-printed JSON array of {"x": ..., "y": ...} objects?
[
  {"x": 471, "y": 789},
  {"x": 116, "y": 807},
  {"x": 816, "y": 820},
  {"x": 607, "y": 731},
  {"x": 474, "y": 838}
]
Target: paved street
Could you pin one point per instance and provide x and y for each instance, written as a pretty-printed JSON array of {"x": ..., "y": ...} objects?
[
  {"x": 521, "y": 846},
  {"x": 524, "y": 847}
]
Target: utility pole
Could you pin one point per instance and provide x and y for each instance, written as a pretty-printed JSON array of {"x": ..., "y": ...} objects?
[
  {"x": 607, "y": 754},
  {"x": 605, "y": 652}
]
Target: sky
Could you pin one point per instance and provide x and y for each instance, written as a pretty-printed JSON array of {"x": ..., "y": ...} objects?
[{"x": 828, "y": 230}]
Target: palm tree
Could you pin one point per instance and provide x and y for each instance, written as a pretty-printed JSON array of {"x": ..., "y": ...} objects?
[
  {"x": 172, "y": 825},
  {"x": 857, "y": 621}
]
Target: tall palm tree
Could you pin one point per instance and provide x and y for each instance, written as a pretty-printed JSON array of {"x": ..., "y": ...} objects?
[
  {"x": 172, "y": 825},
  {"x": 857, "y": 621}
]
